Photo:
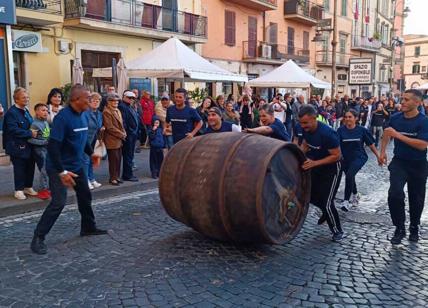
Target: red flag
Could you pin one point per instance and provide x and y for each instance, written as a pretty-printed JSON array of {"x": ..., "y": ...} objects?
[
  {"x": 367, "y": 19},
  {"x": 356, "y": 13}
]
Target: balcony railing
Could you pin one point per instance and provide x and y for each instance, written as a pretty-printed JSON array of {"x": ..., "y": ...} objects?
[
  {"x": 324, "y": 57},
  {"x": 133, "y": 13},
  {"x": 303, "y": 11},
  {"x": 262, "y": 52},
  {"x": 365, "y": 43},
  {"x": 42, "y": 6},
  {"x": 261, "y": 5}
]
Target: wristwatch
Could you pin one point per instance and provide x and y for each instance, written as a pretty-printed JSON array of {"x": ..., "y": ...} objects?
[{"x": 65, "y": 172}]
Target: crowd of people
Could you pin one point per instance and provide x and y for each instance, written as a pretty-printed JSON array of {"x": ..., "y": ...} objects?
[{"x": 65, "y": 142}]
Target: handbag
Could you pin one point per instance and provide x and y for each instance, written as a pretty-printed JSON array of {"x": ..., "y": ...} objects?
[{"x": 100, "y": 148}]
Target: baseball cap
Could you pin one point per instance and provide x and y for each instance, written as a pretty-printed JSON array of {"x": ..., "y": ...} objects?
[
  {"x": 129, "y": 94},
  {"x": 165, "y": 97},
  {"x": 113, "y": 97},
  {"x": 215, "y": 110}
]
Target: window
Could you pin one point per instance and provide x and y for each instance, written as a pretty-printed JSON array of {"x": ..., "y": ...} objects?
[
  {"x": 306, "y": 41},
  {"x": 326, "y": 5},
  {"x": 290, "y": 40},
  {"x": 344, "y": 7},
  {"x": 424, "y": 69},
  {"x": 230, "y": 29},
  {"x": 416, "y": 68},
  {"x": 342, "y": 43},
  {"x": 273, "y": 33},
  {"x": 252, "y": 36},
  {"x": 417, "y": 51}
]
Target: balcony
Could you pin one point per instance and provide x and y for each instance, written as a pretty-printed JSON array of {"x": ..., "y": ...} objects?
[
  {"x": 39, "y": 12},
  {"x": 364, "y": 43},
  {"x": 136, "y": 18},
  {"x": 303, "y": 11},
  {"x": 260, "y": 5},
  {"x": 260, "y": 52},
  {"x": 324, "y": 58}
]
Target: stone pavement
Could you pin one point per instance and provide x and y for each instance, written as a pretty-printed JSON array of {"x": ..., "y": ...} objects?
[
  {"x": 149, "y": 260},
  {"x": 10, "y": 206}
]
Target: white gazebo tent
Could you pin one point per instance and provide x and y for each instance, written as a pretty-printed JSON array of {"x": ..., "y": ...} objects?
[
  {"x": 423, "y": 87},
  {"x": 173, "y": 59},
  {"x": 288, "y": 75}
]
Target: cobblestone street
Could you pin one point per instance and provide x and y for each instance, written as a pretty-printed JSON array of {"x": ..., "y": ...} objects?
[{"x": 150, "y": 260}]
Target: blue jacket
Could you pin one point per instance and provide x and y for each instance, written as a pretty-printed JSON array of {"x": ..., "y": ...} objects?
[
  {"x": 95, "y": 122},
  {"x": 130, "y": 119},
  {"x": 16, "y": 132},
  {"x": 156, "y": 137}
]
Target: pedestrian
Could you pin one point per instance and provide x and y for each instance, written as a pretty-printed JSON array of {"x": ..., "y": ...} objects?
[
  {"x": 202, "y": 110},
  {"x": 353, "y": 137},
  {"x": 114, "y": 135},
  {"x": 131, "y": 125},
  {"x": 246, "y": 113},
  {"x": 216, "y": 124},
  {"x": 54, "y": 102},
  {"x": 230, "y": 114},
  {"x": 67, "y": 144},
  {"x": 409, "y": 129},
  {"x": 16, "y": 133},
  {"x": 95, "y": 124},
  {"x": 378, "y": 120},
  {"x": 160, "y": 111},
  {"x": 157, "y": 144},
  {"x": 271, "y": 126},
  {"x": 279, "y": 108},
  {"x": 220, "y": 103},
  {"x": 109, "y": 90},
  {"x": 148, "y": 111},
  {"x": 40, "y": 147},
  {"x": 322, "y": 148},
  {"x": 184, "y": 121}
]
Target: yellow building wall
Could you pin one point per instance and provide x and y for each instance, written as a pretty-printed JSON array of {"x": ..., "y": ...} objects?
[{"x": 52, "y": 69}]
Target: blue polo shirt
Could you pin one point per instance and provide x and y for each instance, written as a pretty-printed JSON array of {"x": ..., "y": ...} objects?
[
  {"x": 320, "y": 141},
  {"x": 225, "y": 127},
  {"x": 417, "y": 128},
  {"x": 352, "y": 143},
  {"x": 70, "y": 128},
  {"x": 182, "y": 121},
  {"x": 279, "y": 131}
]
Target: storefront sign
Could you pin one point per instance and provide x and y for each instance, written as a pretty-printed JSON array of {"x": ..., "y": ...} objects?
[
  {"x": 360, "y": 71},
  {"x": 7, "y": 12},
  {"x": 26, "y": 41}
]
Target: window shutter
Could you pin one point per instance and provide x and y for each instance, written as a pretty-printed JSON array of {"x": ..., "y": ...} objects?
[{"x": 230, "y": 37}]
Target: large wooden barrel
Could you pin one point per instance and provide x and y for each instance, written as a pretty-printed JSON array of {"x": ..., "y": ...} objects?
[{"x": 236, "y": 187}]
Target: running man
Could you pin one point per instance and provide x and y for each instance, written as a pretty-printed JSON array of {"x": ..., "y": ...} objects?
[{"x": 321, "y": 146}]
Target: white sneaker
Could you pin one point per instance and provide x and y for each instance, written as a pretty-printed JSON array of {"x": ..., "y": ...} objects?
[
  {"x": 345, "y": 206},
  {"x": 96, "y": 184},
  {"x": 19, "y": 194},
  {"x": 91, "y": 187},
  {"x": 30, "y": 191},
  {"x": 355, "y": 198}
]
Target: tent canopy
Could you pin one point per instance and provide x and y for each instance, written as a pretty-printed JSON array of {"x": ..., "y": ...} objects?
[
  {"x": 173, "y": 59},
  {"x": 288, "y": 75},
  {"x": 422, "y": 87}
]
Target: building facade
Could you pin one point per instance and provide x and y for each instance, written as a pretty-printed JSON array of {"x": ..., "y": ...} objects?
[
  {"x": 95, "y": 32},
  {"x": 415, "y": 60},
  {"x": 255, "y": 36}
]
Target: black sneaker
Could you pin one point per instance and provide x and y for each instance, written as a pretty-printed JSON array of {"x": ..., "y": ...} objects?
[
  {"x": 399, "y": 234},
  {"x": 414, "y": 234},
  {"x": 96, "y": 231},
  {"x": 131, "y": 179},
  {"x": 38, "y": 245},
  {"x": 337, "y": 236},
  {"x": 322, "y": 219}
]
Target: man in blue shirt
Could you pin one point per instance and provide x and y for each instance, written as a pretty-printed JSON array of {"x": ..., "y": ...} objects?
[
  {"x": 216, "y": 123},
  {"x": 67, "y": 144},
  {"x": 321, "y": 146},
  {"x": 131, "y": 124},
  {"x": 272, "y": 127},
  {"x": 409, "y": 129},
  {"x": 185, "y": 121}
]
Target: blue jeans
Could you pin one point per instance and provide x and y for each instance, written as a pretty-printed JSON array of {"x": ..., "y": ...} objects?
[
  {"x": 128, "y": 150},
  {"x": 59, "y": 198},
  {"x": 87, "y": 161},
  {"x": 169, "y": 141},
  {"x": 40, "y": 153}
]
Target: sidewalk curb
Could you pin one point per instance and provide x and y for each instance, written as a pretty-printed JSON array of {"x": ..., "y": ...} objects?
[{"x": 10, "y": 206}]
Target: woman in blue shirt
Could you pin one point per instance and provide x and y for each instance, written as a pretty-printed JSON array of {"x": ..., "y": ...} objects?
[{"x": 353, "y": 137}]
